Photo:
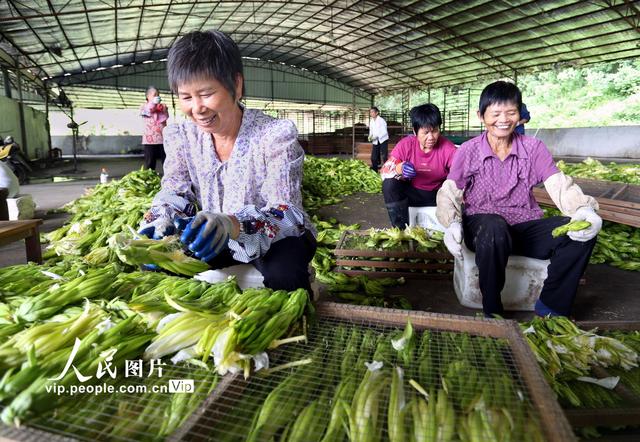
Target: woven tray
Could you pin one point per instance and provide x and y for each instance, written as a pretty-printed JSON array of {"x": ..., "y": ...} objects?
[
  {"x": 382, "y": 267},
  {"x": 229, "y": 401}
]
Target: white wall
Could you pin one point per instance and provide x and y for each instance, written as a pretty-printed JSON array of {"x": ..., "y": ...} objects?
[{"x": 603, "y": 142}]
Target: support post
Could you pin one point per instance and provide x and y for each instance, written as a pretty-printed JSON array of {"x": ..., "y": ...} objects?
[
  {"x": 46, "y": 113},
  {"x": 468, "y": 110},
  {"x": 7, "y": 82},
  {"x": 74, "y": 140},
  {"x": 353, "y": 124},
  {"x": 23, "y": 127}
]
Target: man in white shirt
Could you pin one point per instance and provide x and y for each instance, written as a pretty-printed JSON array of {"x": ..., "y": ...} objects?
[
  {"x": 8, "y": 180},
  {"x": 8, "y": 189},
  {"x": 379, "y": 137}
]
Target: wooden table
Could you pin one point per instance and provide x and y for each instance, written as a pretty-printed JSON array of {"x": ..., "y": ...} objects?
[{"x": 28, "y": 230}]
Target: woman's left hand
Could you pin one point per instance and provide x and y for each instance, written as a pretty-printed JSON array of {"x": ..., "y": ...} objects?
[
  {"x": 408, "y": 171},
  {"x": 589, "y": 215},
  {"x": 208, "y": 234}
]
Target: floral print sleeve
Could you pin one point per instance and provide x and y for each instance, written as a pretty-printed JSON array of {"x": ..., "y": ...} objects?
[
  {"x": 282, "y": 214},
  {"x": 176, "y": 197},
  {"x": 259, "y": 228}
]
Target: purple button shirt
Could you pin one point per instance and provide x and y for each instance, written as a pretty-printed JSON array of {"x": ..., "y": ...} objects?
[{"x": 502, "y": 187}]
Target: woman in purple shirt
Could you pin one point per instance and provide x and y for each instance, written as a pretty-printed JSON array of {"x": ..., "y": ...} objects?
[
  {"x": 417, "y": 166},
  {"x": 494, "y": 174}
]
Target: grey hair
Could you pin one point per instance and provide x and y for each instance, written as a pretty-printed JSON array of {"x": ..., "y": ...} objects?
[
  {"x": 205, "y": 54},
  {"x": 149, "y": 89}
]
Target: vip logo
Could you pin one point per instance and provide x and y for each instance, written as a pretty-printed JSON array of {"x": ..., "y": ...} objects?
[{"x": 181, "y": 386}]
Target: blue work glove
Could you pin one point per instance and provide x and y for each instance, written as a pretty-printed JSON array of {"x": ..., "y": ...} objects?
[
  {"x": 158, "y": 229},
  {"x": 408, "y": 171},
  {"x": 182, "y": 223},
  {"x": 207, "y": 234}
]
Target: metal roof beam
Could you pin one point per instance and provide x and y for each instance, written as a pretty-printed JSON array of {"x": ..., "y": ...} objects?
[
  {"x": 634, "y": 12},
  {"x": 35, "y": 34},
  {"x": 515, "y": 49},
  {"x": 64, "y": 33},
  {"x": 135, "y": 48},
  {"x": 164, "y": 20},
  {"x": 472, "y": 75},
  {"x": 93, "y": 40},
  {"x": 130, "y": 6},
  {"x": 421, "y": 16},
  {"x": 524, "y": 32},
  {"x": 12, "y": 63},
  {"x": 296, "y": 12},
  {"x": 458, "y": 67},
  {"x": 294, "y": 46},
  {"x": 255, "y": 28}
]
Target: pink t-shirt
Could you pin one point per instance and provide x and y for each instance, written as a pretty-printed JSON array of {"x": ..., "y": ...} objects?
[{"x": 431, "y": 168}]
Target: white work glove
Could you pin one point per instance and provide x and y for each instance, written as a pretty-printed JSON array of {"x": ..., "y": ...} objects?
[
  {"x": 586, "y": 214},
  {"x": 453, "y": 239}
]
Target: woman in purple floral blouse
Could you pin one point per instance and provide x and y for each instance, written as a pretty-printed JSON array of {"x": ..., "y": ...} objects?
[{"x": 239, "y": 171}]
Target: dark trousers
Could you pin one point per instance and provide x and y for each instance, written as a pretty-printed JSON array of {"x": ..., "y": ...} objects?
[
  {"x": 493, "y": 240},
  {"x": 399, "y": 190},
  {"x": 285, "y": 266},
  {"x": 152, "y": 153},
  {"x": 379, "y": 151},
  {"x": 399, "y": 195},
  {"x": 4, "y": 210}
]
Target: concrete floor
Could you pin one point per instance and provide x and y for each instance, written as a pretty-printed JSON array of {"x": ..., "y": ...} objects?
[{"x": 609, "y": 294}]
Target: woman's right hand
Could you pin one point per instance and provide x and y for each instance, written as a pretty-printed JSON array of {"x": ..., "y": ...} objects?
[{"x": 453, "y": 239}]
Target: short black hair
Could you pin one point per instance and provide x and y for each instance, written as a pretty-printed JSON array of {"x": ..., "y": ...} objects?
[
  {"x": 426, "y": 116},
  {"x": 373, "y": 108},
  {"x": 500, "y": 92},
  {"x": 205, "y": 54}
]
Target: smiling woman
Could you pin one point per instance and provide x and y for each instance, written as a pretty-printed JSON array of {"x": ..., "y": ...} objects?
[
  {"x": 417, "y": 166},
  {"x": 494, "y": 174},
  {"x": 242, "y": 168}
]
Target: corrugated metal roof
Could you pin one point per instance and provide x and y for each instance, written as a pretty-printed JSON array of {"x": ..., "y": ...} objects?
[{"x": 371, "y": 45}]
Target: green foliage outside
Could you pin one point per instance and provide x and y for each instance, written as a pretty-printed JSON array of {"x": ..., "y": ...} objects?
[{"x": 606, "y": 94}]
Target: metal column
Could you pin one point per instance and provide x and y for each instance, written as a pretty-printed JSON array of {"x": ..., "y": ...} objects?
[
  {"x": 353, "y": 124},
  {"x": 7, "y": 82},
  {"x": 46, "y": 111},
  {"x": 406, "y": 99},
  {"x": 23, "y": 128}
]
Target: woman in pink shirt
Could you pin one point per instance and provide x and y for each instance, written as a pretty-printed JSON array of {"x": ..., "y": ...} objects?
[
  {"x": 155, "y": 116},
  {"x": 417, "y": 166}
]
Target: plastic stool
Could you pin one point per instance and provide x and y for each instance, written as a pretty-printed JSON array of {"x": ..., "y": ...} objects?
[
  {"x": 524, "y": 278},
  {"x": 21, "y": 207},
  {"x": 424, "y": 217}
]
